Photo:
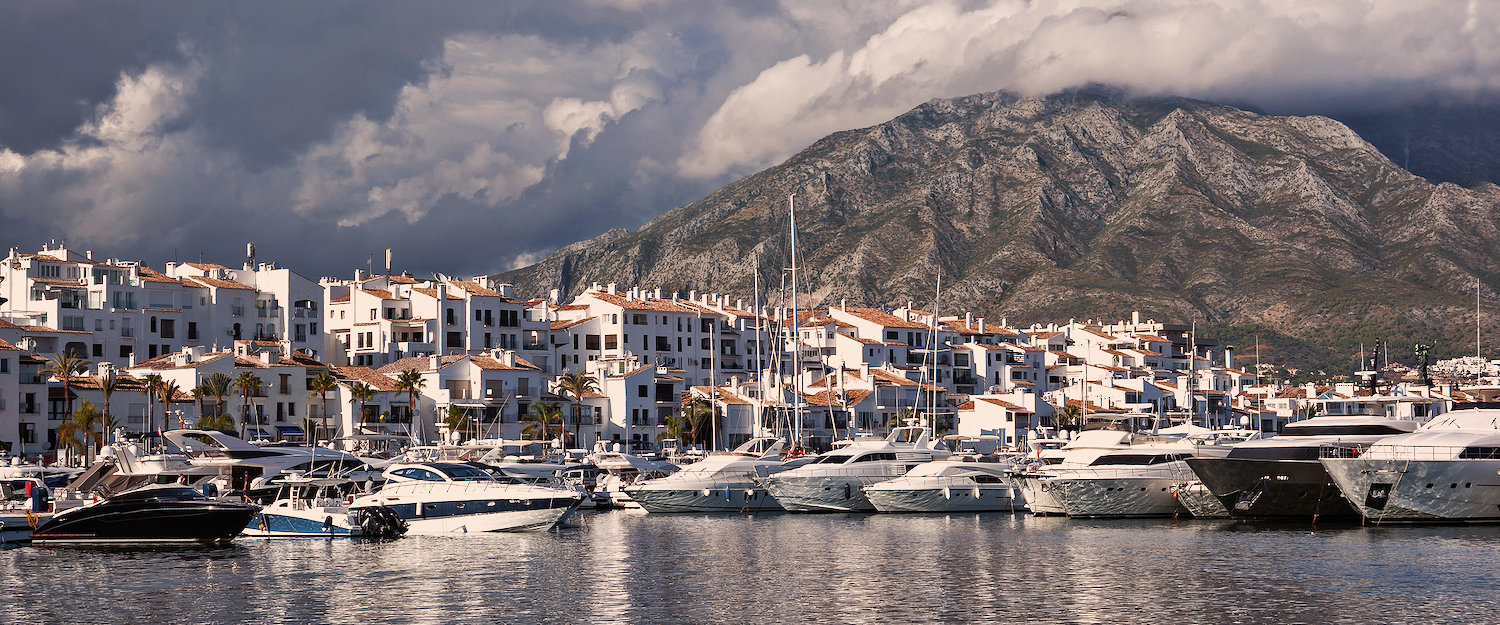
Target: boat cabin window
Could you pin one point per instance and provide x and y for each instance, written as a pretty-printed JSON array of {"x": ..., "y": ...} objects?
[
  {"x": 985, "y": 478},
  {"x": 1340, "y": 430},
  {"x": 1306, "y": 452},
  {"x": 161, "y": 494},
  {"x": 1136, "y": 459},
  {"x": 1486, "y": 453},
  {"x": 876, "y": 457},
  {"x": 418, "y": 474},
  {"x": 834, "y": 459},
  {"x": 461, "y": 473}
]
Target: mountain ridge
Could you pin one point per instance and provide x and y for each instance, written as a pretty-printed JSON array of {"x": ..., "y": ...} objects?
[{"x": 1086, "y": 204}]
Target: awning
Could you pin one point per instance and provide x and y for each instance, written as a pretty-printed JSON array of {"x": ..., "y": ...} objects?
[
  {"x": 289, "y": 430},
  {"x": 258, "y": 433}
]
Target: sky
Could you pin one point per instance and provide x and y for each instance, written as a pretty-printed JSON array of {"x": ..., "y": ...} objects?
[{"x": 478, "y": 136}]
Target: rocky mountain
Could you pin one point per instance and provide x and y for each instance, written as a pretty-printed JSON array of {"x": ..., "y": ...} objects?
[{"x": 1088, "y": 204}]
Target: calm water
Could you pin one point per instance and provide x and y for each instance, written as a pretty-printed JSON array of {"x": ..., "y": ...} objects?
[{"x": 636, "y": 568}]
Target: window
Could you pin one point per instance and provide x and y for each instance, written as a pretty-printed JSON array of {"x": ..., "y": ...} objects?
[
  {"x": 591, "y": 342},
  {"x": 4, "y": 365},
  {"x": 706, "y": 325},
  {"x": 611, "y": 341},
  {"x": 98, "y": 350},
  {"x": 642, "y": 390},
  {"x": 286, "y": 383},
  {"x": 169, "y": 328},
  {"x": 455, "y": 339},
  {"x": 639, "y": 320},
  {"x": 126, "y": 351},
  {"x": 451, "y": 316},
  {"x": 192, "y": 328}
]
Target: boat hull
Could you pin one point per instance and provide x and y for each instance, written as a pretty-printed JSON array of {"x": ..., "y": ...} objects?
[
  {"x": 446, "y": 518},
  {"x": 1200, "y": 502},
  {"x": 1272, "y": 489},
  {"x": 16, "y": 527},
  {"x": 732, "y": 498},
  {"x": 1115, "y": 497},
  {"x": 973, "y": 498},
  {"x": 841, "y": 493},
  {"x": 1039, "y": 501},
  {"x": 310, "y": 523},
  {"x": 133, "y": 522},
  {"x": 1419, "y": 491}
]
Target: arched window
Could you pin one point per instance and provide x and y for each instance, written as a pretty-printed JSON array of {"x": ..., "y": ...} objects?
[
  {"x": 153, "y": 325},
  {"x": 236, "y": 331}
]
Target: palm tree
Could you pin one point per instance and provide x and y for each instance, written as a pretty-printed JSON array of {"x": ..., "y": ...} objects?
[
  {"x": 410, "y": 381},
  {"x": 217, "y": 386},
  {"x": 695, "y": 415},
  {"x": 63, "y": 366},
  {"x": 107, "y": 385},
  {"x": 321, "y": 384},
  {"x": 167, "y": 393},
  {"x": 898, "y": 419},
  {"x": 150, "y": 385},
  {"x": 200, "y": 397},
  {"x": 1069, "y": 418},
  {"x": 359, "y": 392},
  {"x": 247, "y": 383},
  {"x": 539, "y": 421},
  {"x": 79, "y": 431},
  {"x": 218, "y": 421},
  {"x": 457, "y": 420},
  {"x": 575, "y": 384}
]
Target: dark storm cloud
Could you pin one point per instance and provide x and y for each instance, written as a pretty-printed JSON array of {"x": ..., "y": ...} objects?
[{"x": 470, "y": 135}]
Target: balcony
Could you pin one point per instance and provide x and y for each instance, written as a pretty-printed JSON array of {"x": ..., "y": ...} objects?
[{"x": 30, "y": 408}]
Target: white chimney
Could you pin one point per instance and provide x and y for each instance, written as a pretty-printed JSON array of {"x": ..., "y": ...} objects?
[
  {"x": 844, "y": 304},
  {"x": 981, "y": 325},
  {"x": 434, "y": 361},
  {"x": 658, "y": 293},
  {"x": 269, "y": 356},
  {"x": 610, "y": 289},
  {"x": 1135, "y": 317},
  {"x": 553, "y": 296},
  {"x": 359, "y": 276},
  {"x": 692, "y": 295}
]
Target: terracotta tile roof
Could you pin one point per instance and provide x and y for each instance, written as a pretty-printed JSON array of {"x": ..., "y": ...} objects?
[
  {"x": 486, "y": 362},
  {"x": 74, "y": 282},
  {"x": 881, "y": 375},
  {"x": 1152, "y": 338},
  {"x": 563, "y": 325},
  {"x": 375, "y": 379},
  {"x": 573, "y": 307},
  {"x": 660, "y": 305},
  {"x": 381, "y": 293},
  {"x": 214, "y": 283},
  {"x": 206, "y": 266},
  {"x": 433, "y": 293},
  {"x": 6, "y": 325},
  {"x": 7, "y": 346},
  {"x": 1101, "y": 334},
  {"x": 168, "y": 361},
  {"x": 400, "y": 280},
  {"x": 831, "y": 399},
  {"x": 47, "y": 330},
  {"x": 339, "y": 300},
  {"x": 883, "y": 318},
  {"x": 1003, "y": 404},
  {"x": 633, "y": 371},
  {"x": 420, "y": 363},
  {"x": 1042, "y": 336},
  {"x": 151, "y": 275},
  {"x": 474, "y": 288}
]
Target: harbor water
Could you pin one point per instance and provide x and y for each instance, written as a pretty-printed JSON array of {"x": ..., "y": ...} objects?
[{"x": 623, "y": 567}]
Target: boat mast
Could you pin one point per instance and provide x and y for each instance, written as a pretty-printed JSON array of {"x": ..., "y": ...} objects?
[
  {"x": 760, "y": 373},
  {"x": 797, "y": 347},
  {"x": 932, "y": 347}
]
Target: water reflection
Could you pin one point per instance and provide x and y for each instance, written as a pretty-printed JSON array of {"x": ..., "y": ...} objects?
[{"x": 773, "y": 568}]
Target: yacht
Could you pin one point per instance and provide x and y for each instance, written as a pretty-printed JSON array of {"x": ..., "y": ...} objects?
[
  {"x": 442, "y": 498},
  {"x": 618, "y": 470},
  {"x": 947, "y": 486},
  {"x": 151, "y": 513},
  {"x": 1445, "y": 471},
  {"x": 1280, "y": 477},
  {"x": 256, "y": 470},
  {"x": 1046, "y": 461},
  {"x": 1133, "y": 482},
  {"x": 835, "y": 481},
  {"x": 23, "y": 506},
  {"x": 1142, "y": 480},
  {"x": 722, "y": 482},
  {"x": 313, "y": 507}
]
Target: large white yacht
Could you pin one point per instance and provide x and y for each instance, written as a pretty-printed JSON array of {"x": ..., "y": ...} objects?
[
  {"x": 1141, "y": 480},
  {"x": 618, "y": 470},
  {"x": 835, "y": 481},
  {"x": 721, "y": 482},
  {"x": 947, "y": 486},
  {"x": 1446, "y": 471},
  {"x": 1045, "y": 463},
  {"x": 442, "y": 498}
]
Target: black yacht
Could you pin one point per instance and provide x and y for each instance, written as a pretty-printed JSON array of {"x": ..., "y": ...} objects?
[
  {"x": 1281, "y": 478},
  {"x": 154, "y": 513}
]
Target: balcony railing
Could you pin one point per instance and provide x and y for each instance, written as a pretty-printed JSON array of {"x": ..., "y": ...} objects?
[{"x": 30, "y": 408}]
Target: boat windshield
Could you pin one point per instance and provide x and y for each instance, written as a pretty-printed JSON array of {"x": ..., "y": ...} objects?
[
  {"x": 1116, "y": 459},
  {"x": 460, "y": 473},
  {"x": 160, "y": 494},
  {"x": 1341, "y": 430},
  {"x": 834, "y": 459}
]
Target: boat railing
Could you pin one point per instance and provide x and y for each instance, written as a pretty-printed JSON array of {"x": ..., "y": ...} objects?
[
  {"x": 858, "y": 470},
  {"x": 1411, "y": 452},
  {"x": 1147, "y": 472}
]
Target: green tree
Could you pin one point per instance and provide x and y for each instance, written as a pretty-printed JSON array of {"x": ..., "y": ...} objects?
[
  {"x": 899, "y": 418},
  {"x": 151, "y": 387},
  {"x": 696, "y": 415},
  {"x": 360, "y": 393},
  {"x": 321, "y": 384},
  {"x": 538, "y": 422},
  {"x": 1069, "y": 418},
  {"x": 218, "y": 386},
  {"x": 247, "y": 384},
  {"x": 410, "y": 381},
  {"x": 108, "y": 383},
  {"x": 576, "y": 384},
  {"x": 167, "y": 393},
  {"x": 458, "y": 420},
  {"x": 64, "y": 366},
  {"x": 84, "y": 430},
  {"x": 219, "y": 421}
]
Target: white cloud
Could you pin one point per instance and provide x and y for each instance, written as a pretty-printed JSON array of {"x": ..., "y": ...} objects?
[{"x": 1266, "y": 50}]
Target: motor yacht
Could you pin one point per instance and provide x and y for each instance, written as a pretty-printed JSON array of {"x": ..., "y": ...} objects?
[
  {"x": 24, "y": 504},
  {"x": 1280, "y": 477},
  {"x": 311, "y": 507},
  {"x": 1444, "y": 472},
  {"x": 835, "y": 481},
  {"x": 722, "y": 482},
  {"x": 1045, "y": 462},
  {"x": 442, "y": 498},
  {"x": 947, "y": 486},
  {"x": 151, "y": 513},
  {"x": 618, "y": 470},
  {"x": 1133, "y": 482}
]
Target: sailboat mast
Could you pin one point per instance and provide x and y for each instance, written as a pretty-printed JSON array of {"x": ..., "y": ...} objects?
[
  {"x": 760, "y": 371},
  {"x": 932, "y": 346},
  {"x": 796, "y": 346}
]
